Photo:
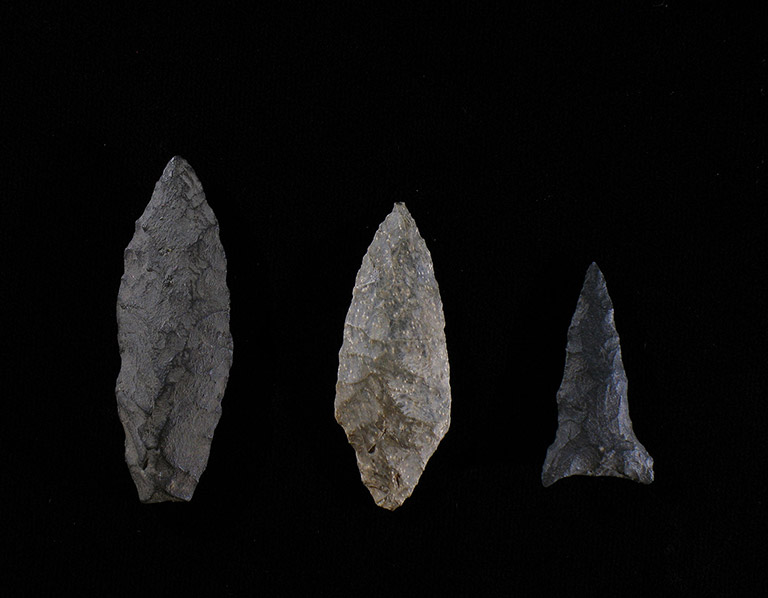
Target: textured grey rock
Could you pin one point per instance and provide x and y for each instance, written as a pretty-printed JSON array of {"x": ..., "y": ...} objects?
[
  {"x": 393, "y": 397},
  {"x": 595, "y": 435},
  {"x": 173, "y": 332}
]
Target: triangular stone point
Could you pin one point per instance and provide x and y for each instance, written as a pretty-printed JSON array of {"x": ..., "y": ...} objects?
[{"x": 595, "y": 435}]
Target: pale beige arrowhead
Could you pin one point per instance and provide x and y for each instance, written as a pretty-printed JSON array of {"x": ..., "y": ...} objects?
[{"x": 393, "y": 396}]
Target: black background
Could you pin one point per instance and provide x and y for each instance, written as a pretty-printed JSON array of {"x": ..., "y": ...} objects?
[{"x": 526, "y": 142}]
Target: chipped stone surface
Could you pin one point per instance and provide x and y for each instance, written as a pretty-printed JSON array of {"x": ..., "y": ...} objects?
[
  {"x": 595, "y": 435},
  {"x": 173, "y": 332},
  {"x": 393, "y": 397}
]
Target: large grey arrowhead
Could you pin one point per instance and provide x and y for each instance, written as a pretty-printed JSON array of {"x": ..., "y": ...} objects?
[
  {"x": 173, "y": 332},
  {"x": 595, "y": 435},
  {"x": 393, "y": 397}
]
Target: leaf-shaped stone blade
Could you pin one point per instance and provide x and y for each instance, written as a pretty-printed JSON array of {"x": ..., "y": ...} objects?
[
  {"x": 393, "y": 395},
  {"x": 595, "y": 435},
  {"x": 173, "y": 333}
]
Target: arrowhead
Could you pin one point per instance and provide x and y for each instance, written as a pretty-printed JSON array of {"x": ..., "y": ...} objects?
[
  {"x": 393, "y": 397},
  {"x": 173, "y": 332},
  {"x": 594, "y": 435}
]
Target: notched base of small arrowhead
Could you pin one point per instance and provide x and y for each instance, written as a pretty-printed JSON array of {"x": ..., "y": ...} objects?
[{"x": 632, "y": 463}]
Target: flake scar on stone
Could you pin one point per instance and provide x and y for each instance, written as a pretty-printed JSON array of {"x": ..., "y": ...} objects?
[
  {"x": 393, "y": 396},
  {"x": 595, "y": 435},
  {"x": 173, "y": 333}
]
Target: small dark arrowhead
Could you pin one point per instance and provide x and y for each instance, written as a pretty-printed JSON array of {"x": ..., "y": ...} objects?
[{"x": 594, "y": 435}]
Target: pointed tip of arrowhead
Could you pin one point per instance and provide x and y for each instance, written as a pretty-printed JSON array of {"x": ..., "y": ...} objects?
[
  {"x": 175, "y": 166},
  {"x": 400, "y": 208},
  {"x": 178, "y": 162},
  {"x": 594, "y": 269},
  {"x": 178, "y": 180},
  {"x": 594, "y": 277},
  {"x": 399, "y": 217}
]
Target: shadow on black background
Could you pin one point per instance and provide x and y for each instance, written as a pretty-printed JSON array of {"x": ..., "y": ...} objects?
[{"x": 526, "y": 144}]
